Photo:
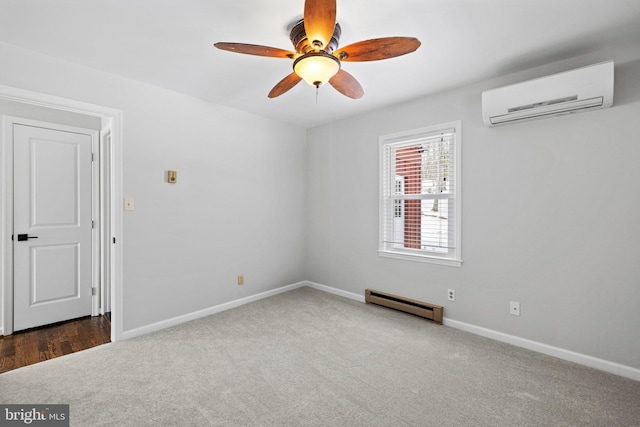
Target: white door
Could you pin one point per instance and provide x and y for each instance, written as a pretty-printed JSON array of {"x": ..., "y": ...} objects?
[{"x": 51, "y": 225}]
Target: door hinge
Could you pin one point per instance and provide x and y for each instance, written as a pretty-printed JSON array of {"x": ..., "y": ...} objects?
[
  {"x": 114, "y": 240},
  {"x": 93, "y": 157},
  {"x": 93, "y": 224},
  {"x": 93, "y": 291}
]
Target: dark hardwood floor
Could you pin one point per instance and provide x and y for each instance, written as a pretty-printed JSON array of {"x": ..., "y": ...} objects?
[{"x": 36, "y": 345}]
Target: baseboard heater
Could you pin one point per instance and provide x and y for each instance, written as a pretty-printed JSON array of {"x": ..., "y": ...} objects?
[{"x": 408, "y": 305}]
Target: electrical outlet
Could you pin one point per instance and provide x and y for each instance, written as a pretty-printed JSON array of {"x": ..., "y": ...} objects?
[
  {"x": 451, "y": 295},
  {"x": 241, "y": 279},
  {"x": 514, "y": 308}
]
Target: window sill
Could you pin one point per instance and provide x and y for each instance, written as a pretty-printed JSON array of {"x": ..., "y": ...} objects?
[{"x": 421, "y": 258}]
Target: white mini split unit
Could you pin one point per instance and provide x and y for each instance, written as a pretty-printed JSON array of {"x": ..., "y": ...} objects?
[{"x": 584, "y": 89}]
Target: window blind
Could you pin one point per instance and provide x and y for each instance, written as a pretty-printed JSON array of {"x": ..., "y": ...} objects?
[{"x": 419, "y": 193}]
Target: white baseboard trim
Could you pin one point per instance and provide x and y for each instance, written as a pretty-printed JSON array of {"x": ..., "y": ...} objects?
[
  {"x": 335, "y": 291},
  {"x": 560, "y": 353},
  {"x": 143, "y": 330}
]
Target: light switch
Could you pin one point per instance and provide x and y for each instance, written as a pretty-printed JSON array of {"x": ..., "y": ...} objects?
[
  {"x": 128, "y": 204},
  {"x": 172, "y": 177}
]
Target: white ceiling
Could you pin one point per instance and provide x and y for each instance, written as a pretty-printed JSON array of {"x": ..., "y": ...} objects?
[{"x": 169, "y": 43}]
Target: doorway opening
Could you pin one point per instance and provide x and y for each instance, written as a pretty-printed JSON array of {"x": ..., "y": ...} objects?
[{"x": 107, "y": 176}]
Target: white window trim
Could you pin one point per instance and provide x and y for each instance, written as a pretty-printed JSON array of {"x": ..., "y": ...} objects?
[{"x": 455, "y": 261}]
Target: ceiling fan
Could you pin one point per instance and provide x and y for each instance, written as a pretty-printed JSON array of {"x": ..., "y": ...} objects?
[{"x": 317, "y": 59}]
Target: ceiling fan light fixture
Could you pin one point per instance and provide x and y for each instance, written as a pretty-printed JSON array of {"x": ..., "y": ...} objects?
[
  {"x": 316, "y": 68},
  {"x": 317, "y": 61}
]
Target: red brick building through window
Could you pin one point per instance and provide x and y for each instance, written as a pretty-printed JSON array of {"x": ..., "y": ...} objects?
[{"x": 409, "y": 167}]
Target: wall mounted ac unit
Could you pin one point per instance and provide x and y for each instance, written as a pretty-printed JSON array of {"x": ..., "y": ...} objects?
[{"x": 583, "y": 89}]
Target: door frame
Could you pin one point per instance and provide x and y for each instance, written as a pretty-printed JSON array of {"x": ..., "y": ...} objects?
[
  {"x": 105, "y": 203},
  {"x": 111, "y": 120}
]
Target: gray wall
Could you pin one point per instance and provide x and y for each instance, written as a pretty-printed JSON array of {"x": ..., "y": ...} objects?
[
  {"x": 550, "y": 210},
  {"x": 549, "y": 206},
  {"x": 236, "y": 209}
]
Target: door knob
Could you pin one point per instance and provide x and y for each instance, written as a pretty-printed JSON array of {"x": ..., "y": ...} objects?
[{"x": 23, "y": 237}]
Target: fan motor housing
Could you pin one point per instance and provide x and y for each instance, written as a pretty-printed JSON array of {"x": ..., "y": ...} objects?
[{"x": 300, "y": 42}]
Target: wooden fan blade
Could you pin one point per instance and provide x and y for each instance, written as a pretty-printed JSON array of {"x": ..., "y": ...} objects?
[
  {"x": 377, "y": 49},
  {"x": 284, "y": 85},
  {"x": 347, "y": 85},
  {"x": 319, "y": 21},
  {"x": 254, "y": 49}
]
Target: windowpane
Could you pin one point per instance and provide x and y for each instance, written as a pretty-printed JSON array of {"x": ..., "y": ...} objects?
[
  {"x": 421, "y": 224},
  {"x": 435, "y": 225},
  {"x": 419, "y": 194}
]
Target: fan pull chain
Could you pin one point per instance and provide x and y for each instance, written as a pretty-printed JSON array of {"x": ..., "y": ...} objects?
[{"x": 317, "y": 90}]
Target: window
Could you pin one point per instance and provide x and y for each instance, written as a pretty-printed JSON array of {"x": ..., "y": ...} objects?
[{"x": 420, "y": 194}]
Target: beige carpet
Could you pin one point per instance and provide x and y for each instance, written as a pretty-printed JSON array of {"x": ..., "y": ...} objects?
[{"x": 308, "y": 358}]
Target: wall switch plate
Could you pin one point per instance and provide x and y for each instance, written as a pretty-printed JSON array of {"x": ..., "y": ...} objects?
[
  {"x": 451, "y": 294},
  {"x": 128, "y": 204},
  {"x": 514, "y": 308},
  {"x": 172, "y": 177},
  {"x": 241, "y": 279}
]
